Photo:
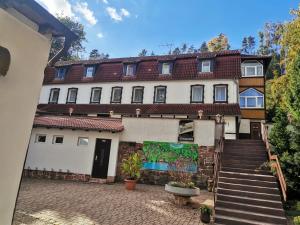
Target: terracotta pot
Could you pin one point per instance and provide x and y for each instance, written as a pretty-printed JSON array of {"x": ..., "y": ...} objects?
[{"x": 130, "y": 184}]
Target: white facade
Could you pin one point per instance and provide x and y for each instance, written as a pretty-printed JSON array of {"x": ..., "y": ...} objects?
[{"x": 178, "y": 92}]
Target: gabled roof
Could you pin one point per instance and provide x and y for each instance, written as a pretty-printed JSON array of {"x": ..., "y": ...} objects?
[
  {"x": 226, "y": 66},
  {"x": 79, "y": 123},
  {"x": 146, "y": 109}
]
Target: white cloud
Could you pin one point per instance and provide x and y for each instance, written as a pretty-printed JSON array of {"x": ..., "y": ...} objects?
[
  {"x": 55, "y": 7},
  {"x": 105, "y": 1},
  {"x": 117, "y": 16},
  {"x": 100, "y": 35},
  {"x": 86, "y": 13}
]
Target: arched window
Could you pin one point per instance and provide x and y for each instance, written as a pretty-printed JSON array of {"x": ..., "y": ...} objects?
[
  {"x": 4, "y": 60},
  {"x": 251, "y": 98}
]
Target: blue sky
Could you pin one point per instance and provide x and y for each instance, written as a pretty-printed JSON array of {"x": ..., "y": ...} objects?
[{"x": 123, "y": 28}]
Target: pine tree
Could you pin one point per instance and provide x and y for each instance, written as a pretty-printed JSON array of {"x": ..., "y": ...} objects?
[
  {"x": 176, "y": 51},
  {"x": 203, "y": 47},
  {"x": 143, "y": 53},
  {"x": 251, "y": 44},
  {"x": 94, "y": 54},
  {"x": 191, "y": 49},
  {"x": 184, "y": 48},
  {"x": 245, "y": 46}
]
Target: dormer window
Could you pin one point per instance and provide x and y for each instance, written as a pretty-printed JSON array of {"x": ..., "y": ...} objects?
[
  {"x": 60, "y": 73},
  {"x": 205, "y": 67},
  {"x": 129, "y": 69},
  {"x": 252, "y": 69},
  {"x": 165, "y": 68},
  {"x": 90, "y": 71}
]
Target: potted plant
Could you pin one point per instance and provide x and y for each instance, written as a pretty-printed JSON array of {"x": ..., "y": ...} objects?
[
  {"x": 205, "y": 214},
  {"x": 181, "y": 185},
  {"x": 131, "y": 169}
]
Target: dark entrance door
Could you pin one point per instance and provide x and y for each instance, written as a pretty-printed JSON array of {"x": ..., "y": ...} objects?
[
  {"x": 101, "y": 158},
  {"x": 255, "y": 130}
]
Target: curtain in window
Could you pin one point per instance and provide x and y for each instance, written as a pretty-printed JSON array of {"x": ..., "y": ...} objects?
[
  {"x": 197, "y": 94},
  {"x": 220, "y": 93}
]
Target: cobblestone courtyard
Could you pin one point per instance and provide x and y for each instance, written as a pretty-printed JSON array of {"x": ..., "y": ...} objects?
[{"x": 49, "y": 202}]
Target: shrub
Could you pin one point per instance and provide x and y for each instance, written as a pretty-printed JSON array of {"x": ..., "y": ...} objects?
[{"x": 131, "y": 167}]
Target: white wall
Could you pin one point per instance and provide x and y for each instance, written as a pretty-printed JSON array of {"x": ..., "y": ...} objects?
[
  {"x": 177, "y": 91},
  {"x": 230, "y": 127},
  {"x": 19, "y": 92},
  {"x": 204, "y": 132},
  {"x": 69, "y": 156}
]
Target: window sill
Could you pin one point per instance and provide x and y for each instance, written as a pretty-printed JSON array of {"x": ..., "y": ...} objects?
[
  {"x": 252, "y": 108},
  {"x": 217, "y": 102},
  {"x": 252, "y": 76}
]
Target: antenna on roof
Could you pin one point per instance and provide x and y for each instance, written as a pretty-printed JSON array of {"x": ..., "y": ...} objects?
[{"x": 167, "y": 45}]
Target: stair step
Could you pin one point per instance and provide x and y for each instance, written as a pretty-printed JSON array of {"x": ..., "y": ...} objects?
[
  {"x": 250, "y": 176},
  {"x": 241, "y": 170},
  {"x": 244, "y": 157},
  {"x": 247, "y": 181},
  {"x": 250, "y": 201},
  {"x": 252, "y": 188},
  {"x": 260, "y": 217},
  {"x": 251, "y": 208},
  {"x": 227, "y": 220},
  {"x": 243, "y": 161},
  {"x": 249, "y": 194},
  {"x": 243, "y": 166}
]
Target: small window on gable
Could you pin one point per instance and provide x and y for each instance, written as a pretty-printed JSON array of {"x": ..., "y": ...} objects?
[
  {"x": 130, "y": 69},
  {"x": 206, "y": 66},
  {"x": 252, "y": 69},
  {"x": 58, "y": 139},
  {"x": 60, "y": 73},
  {"x": 90, "y": 71},
  {"x": 72, "y": 95},
  {"x": 116, "y": 95},
  {"x": 95, "y": 95},
  {"x": 137, "y": 94},
  {"x": 54, "y": 95},
  {"x": 251, "y": 98},
  {"x": 40, "y": 138}
]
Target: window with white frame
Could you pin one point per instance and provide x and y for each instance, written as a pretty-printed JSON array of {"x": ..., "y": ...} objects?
[
  {"x": 58, "y": 139},
  {"x": 220, "y": 93},
  {"x": 197, "y": 93},
  {"x": 72, "y": 95},
  {"x": 60, "y": 73},
  {"x": 137, "y": 94},
  {"x": 252, "y": 69},
  {"x": 95, "y": 95},
  {"x": 251, "y": 98},
  {"x": 205, "y": 66},
  {"x": 116, "y": 95},
  {"x": 130, "y": 69},
  {"x": 166, "y": 68},
  {"x": 90, "y": 71},
  {"x": 54, "y": 94},
  {"x": 40, "y": 138},
  {"x": 160, "y": 94},
  {"x": 83, "y": 141}
]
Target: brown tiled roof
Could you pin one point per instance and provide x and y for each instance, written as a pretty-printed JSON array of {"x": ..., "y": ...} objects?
[
  {"x": 81, "y": 123},
  {"x": 226, "y": 66},
  {"x": 146, "y": 109}
]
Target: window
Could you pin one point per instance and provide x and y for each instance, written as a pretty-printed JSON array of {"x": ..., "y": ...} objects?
[
  {"x": 40, "y": 138},
  {"x": 90, "y": 71},
  {"x": 137, "y": 94},
  {"x": 116, "y": 95},
  {"x": 160, "y": 94},
  {"x": 130, "y": 70},
  {"x": 54, "y": 94},
  {"x": 95, "y": 95},
  {"x": 205, "y": 66},
  {"x": 252, "y": 69},
  {"x": 166, "y": 68},
  {"x": 83, "y": 141},
  {"x": 220, "y": 93},
  {"x": 60, "y": 73},
  {"x": 197, "y": 93},
  {"x": 251, "y": 98},
  {"x": 58, "y": 139},
  {"x": 72, "y": 95}
]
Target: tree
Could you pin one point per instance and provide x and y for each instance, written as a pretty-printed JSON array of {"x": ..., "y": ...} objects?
[
  {"x": 251, "y": 44},
  {"x": 218, "y": 43},
  {"x": 94, "y": 54},
  {"x": 77, "y": 46},
  {"x": 191, "y": 49},
  {"x": 184, "y": 48},
  {"x": 176, "y": 51},
  {"x": 152, "y": 53},
  {"x": 143, "y": 53},
  {"x": 203, "y": 47},
  {"x": 244, "y": 46}
]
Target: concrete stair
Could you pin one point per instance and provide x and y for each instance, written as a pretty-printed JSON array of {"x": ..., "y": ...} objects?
[{"x": 247, "y": 192}]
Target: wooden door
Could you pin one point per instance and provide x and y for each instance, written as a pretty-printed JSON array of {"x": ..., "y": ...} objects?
[
  {"x": 101, "y": 158},
  {"x": 255, "y": 130}
]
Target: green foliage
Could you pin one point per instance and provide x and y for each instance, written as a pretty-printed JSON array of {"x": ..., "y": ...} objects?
[
  {"x": 182, "y": 185},
  {"x": 296, "y": 220},
  {"x": 205, "y": 210},
  {"x": 131, "y": 167},
  {"x": 203, "y": 47},
  {"x": 143, "y": 53},
  {"x": 94, "y": 54},
  {"x": 169, "y": 152},
  {"x": 218, "y": 43}
]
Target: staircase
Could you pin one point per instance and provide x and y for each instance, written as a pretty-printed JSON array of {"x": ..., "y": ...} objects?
[{"x": 247, "y": 193}]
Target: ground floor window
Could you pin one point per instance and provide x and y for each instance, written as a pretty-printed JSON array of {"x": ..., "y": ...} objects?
[
  {"x": 83, "y": 141},
  {"x": 58, "y": 139},
  {"x": 40, "y": 138}
]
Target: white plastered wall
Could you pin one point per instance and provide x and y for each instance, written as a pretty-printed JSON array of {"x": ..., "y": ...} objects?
[
  {"x": 175, "y": 94},
  {"x": 69, "y": 156},
  {"x": 19, "y": 94},
  {"x": 204, "y": 132}
]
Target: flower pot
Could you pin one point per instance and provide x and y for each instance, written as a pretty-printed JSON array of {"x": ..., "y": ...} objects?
[
  {"x": 130, "y": 184},
  {"x": 187, "y": 192},
  {"x": 205, "y": 217}
]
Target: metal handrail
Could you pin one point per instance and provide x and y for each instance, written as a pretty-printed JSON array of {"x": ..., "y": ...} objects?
[{"x": 274, "y": 161}]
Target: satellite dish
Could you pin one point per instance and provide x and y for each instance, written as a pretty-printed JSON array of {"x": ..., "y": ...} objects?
[{"x": 4, "y": 61}]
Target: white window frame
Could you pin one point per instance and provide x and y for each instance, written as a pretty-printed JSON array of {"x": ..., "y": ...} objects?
[
  {"x": 129, "y": 72},
  {"x": 215, "y": 94},
  {"x": 69, "y": 95},
  {"x": 86, "y": 71},
  {"x": 52, "y": 94},
  {"x": 156, "y": 91},
  {"x": 37, "y": 138},
  {"x": 192, "y": 91},
  {"x": 92, "y": 95},
  {"x": 163, "y": 72},
  {"x": 83, "y": 145},
  {"x": 203, "y": 66},
  {"x": 54, "y": 139},
  {"x": 113, "y": 94},
  {"x": 255, "y": 65},
  {"x": 256, "y": 100},
  {"x": 133, "y": 94}
]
